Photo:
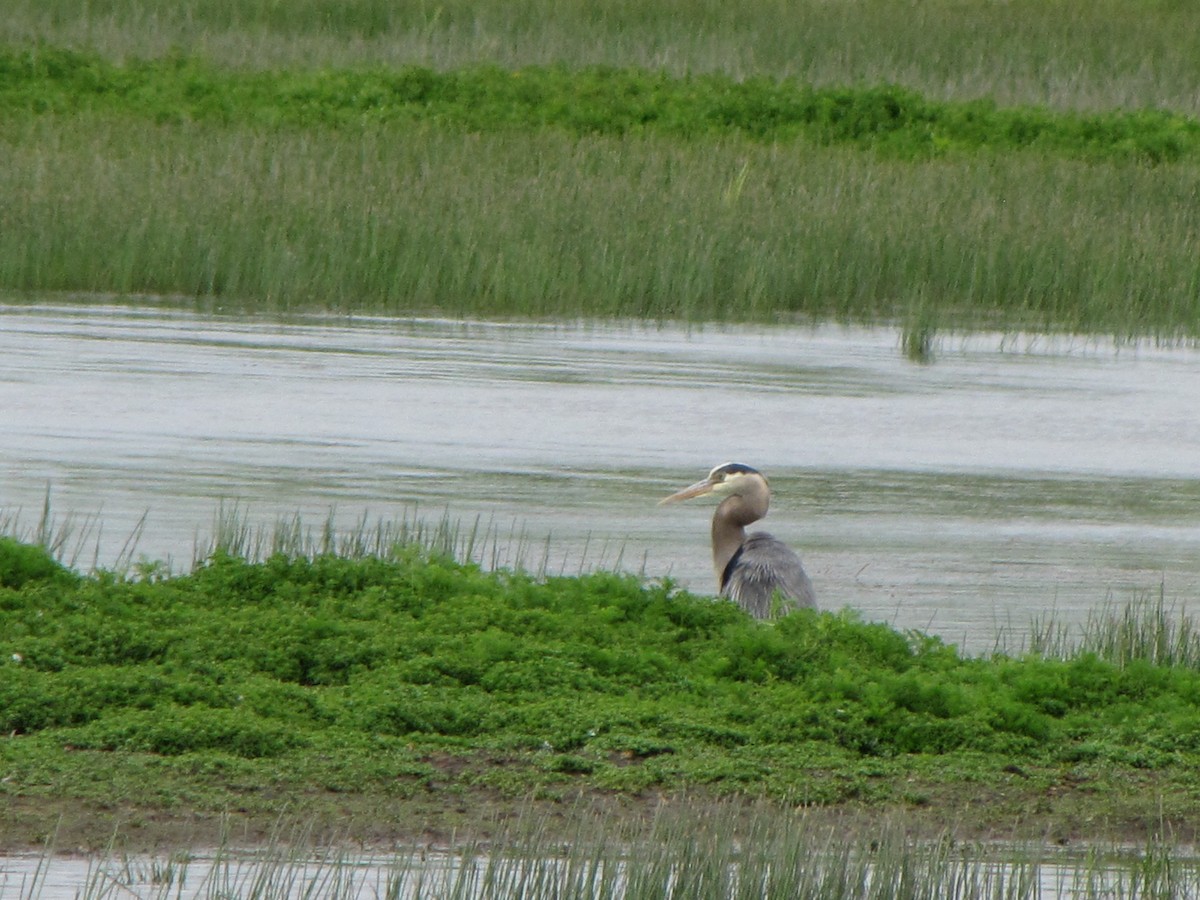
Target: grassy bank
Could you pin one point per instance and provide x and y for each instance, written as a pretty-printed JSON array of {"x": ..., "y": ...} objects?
[
  {"x": 379, "y": 687},
  {"x": 543, "y": 223}
]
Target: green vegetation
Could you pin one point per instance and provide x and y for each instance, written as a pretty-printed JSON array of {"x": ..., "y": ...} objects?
[
  {"x": 241, "y": 683},
  {"x": 549, "y": 224},
  {"x": 728, "y": 850},
  {"x": 891, "y": 120},
  {"x": 1019, "y": 165},
  {"x": 1061, "y": 54}
]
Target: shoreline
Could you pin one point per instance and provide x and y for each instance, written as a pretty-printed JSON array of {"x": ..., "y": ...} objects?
[{"x": 447, "y": 821}]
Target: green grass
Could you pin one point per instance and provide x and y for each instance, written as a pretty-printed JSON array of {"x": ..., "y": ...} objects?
[
  {"x": 413, "y": 675},
  {"x": 392, "y": 220},
  {"x": 892, "y": 121},
  {"x": 1063, "y": 54},
  {"x": 1020, "y": 165},
  {"x": 1144, "y": 630},
  {"x": 650, "y": 160}
]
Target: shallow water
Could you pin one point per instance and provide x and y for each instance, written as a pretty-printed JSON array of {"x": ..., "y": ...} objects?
[
  {"x": 1012, "y": 477},
  {"x": 977, "y": 871}
]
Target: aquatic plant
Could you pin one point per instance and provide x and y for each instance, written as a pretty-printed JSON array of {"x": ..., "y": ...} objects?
[
  {"x": 1146, "y": 629},
  {"x": 691, "y": 850},
  {"x": 417, "y": 220},
  {"x": 23, "y": 563}
]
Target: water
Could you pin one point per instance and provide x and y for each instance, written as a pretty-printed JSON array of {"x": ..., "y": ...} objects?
[
  {"x": 974, "y": 871},
  {"x": 1011, "y": 477},
  {"x": 202, "y": 875}
]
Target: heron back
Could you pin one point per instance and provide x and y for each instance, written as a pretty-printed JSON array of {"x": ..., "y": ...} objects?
[{"x": 761, "y": 567}]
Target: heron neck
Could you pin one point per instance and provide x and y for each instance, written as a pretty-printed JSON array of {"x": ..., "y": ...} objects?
[{"x": 729, "y": 527}]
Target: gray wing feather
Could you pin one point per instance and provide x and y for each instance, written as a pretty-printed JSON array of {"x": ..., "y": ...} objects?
[{"x": 762, "y": 566}]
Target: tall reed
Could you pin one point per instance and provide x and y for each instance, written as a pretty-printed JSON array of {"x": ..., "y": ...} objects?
[
  {"x": 487, "y": 544},
  {"x": 69, "y": 539},
  {"x": 1146, "y": 629},
  {"x": 542, "y": 224},
  {"x": 717, "y": 851}
]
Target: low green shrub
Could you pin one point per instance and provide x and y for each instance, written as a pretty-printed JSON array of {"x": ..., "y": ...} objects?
[
  {"x": 265, "y": 659},
  {"x": 888, "y": 119},
  {"x": 22, "y": 563},
  {"x": 170, "y": 730}
]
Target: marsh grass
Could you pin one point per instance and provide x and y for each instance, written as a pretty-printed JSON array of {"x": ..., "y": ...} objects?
[
  {"x": 1146, "y": 629},
  {"x": 545, "y": 224},
  {"x": 72, "y": 540},
  {"x": 488, "y": 544},
  {"x": 718, "y": 851},
  {"x": 1061, "y": 54},
  {"x": 258, "y": 186},
  {"x": 75, "y": 541},
  {"x": 416, "y": 646}
]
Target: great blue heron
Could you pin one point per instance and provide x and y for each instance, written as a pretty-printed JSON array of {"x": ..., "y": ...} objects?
[{"x": 751, "y": 568}]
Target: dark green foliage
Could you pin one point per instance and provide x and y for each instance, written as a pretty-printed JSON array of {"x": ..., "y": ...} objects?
[
  {"x": 602, "y": 671},
  {"x": 21, "y": 564},
  {"x": 887, "y": 119},
  {"x": 172, "y": 730}
]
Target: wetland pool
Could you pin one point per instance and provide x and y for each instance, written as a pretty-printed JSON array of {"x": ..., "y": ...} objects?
[{"x": 1014, "y": 477}]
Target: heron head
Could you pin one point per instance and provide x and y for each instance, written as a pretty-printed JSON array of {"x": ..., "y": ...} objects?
[{"x": 725, "y": 480}]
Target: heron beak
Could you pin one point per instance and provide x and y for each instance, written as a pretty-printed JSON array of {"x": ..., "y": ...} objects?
[{"x": 699, "y": 489}]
